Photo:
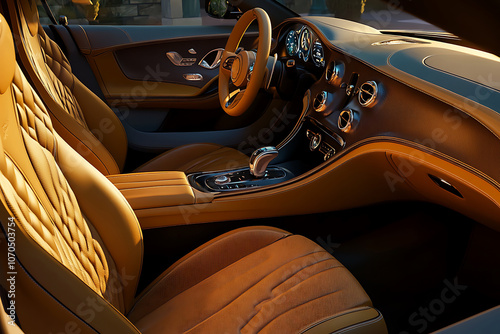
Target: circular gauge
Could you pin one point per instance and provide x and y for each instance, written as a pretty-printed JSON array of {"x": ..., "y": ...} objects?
[
  {"x": 305, "y": 44},
  {"x": 292, "y": 43},
  {"x": 318, "y": 56}
]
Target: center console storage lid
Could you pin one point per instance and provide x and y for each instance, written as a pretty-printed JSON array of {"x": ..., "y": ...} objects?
[{"x": 154, "y": 189}]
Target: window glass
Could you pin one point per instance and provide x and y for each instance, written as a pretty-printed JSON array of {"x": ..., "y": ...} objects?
[
  {"x": 131, "y": 12},
  {"x": 376, "y": 13}
]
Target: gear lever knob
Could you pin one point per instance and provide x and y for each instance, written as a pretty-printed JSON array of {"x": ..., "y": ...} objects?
[{"x": 260, "y": 158}]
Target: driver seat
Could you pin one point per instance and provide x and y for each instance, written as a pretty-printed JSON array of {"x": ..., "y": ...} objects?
[
  {"x": 75, "y": 251},
  {"x": 77, "y": 113}
]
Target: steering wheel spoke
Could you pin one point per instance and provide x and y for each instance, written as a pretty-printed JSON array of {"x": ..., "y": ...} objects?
[
  {"x": 234, "y": 98},
  {"x": 227, "y": 61}
]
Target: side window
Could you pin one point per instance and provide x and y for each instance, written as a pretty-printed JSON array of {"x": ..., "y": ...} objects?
[{"x": 131, "y": 12}]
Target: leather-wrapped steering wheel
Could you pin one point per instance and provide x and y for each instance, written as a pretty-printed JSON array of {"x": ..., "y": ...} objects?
[{"x": 244, "y": 70}]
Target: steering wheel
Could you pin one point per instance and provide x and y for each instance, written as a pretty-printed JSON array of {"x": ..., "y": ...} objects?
[{"x": 244, "y": 70}]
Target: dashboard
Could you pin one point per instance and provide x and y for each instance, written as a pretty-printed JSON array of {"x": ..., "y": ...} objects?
[{"x": 431, "y": 97}]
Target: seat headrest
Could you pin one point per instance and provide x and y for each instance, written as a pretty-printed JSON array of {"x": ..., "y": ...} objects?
[{"x": 7, "y": 55}]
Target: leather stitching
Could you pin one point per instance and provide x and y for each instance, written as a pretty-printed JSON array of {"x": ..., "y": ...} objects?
[
  {"x": 60, "y": 229},
  {"x": 267, "y": 275},
  {"x": 61, "y": 79}
]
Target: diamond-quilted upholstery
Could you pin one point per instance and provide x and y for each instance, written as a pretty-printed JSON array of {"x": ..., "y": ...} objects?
[
  {"x": 54, "y": 71},
  {"x": 57, "y": 223}
]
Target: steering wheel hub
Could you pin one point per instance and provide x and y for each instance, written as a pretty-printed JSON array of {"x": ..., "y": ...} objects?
[{"x": 241, "y": 68}]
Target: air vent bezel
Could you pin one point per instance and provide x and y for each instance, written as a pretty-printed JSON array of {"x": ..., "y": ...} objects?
[
  {"x": 347, "y": 127},
  {"x": 334, "y": 72},
  {"x": 370, "y": 102},
  {"x": 319, "y": 101}
]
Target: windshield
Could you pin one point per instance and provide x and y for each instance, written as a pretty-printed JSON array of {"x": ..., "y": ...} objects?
[{"x": 375, "y": 13}]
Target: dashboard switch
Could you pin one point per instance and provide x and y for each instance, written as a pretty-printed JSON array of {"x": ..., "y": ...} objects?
[
  {"x": 315, "y": 141},
  {"x": 349, "y": 90}
]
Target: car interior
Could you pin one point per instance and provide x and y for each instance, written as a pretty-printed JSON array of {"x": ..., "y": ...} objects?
[{"x": 274, "y": 173}]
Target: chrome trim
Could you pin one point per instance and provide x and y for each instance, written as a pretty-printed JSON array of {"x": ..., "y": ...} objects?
[
  {"x": 373, "y": 95},
  {"x": 327, "y": 150},
  {"x": 193, "y": 76},
  {"x": 339, "y": 139},
  {"x": 200, "y": 180},
  {"x": 349, "y": 90},
  {"x": 230, "y": 96},
  {"x": 192, "y": 51},
  {"x": 222, "y": 179},
  {"x": 203, "y": 63},
  {"x": 322, "y": 61},
  {"x": 348, "y": 125},
  {"x": 322, "y": 102},
  {"x": 328, "y": 132},
  {"x": 337, "y": 72},
  {"x": 177, "y": 59},
  {"x": 315, "y": 141},
  {"x": 260, "y": 159}
]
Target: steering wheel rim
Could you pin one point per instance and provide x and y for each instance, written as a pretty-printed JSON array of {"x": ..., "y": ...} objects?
[{"x": 238, "y": 101}]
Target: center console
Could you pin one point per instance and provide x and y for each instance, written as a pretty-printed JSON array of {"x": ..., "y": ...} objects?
[
  {"x": 238, "y": 179},
  {"x": 308, "y": 145},
  {"x": 262, "y": 189}
]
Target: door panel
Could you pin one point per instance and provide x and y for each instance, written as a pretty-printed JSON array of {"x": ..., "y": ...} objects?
[
  {"x": 159, "y": 108},
  {"x": 124, "y": 59}
]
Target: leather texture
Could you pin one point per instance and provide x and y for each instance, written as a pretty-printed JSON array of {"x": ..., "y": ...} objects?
[
  {"x": 79, "y": 249},
  {"x": 66, "y": 234},
  {"x": 279, "y": 286},
  {"x": 80, "y": 117},
  {"x": 195, "y": 158},
  {"x": 154, "y": 190},
  {"x": 57, "y": 239}
]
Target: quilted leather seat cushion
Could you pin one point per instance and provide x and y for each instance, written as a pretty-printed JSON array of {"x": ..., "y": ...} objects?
[{"x": 253, "y": 280}]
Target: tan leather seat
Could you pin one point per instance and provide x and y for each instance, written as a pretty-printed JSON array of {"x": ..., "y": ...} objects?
[
  {"x": 78, "y": 248},
  {"x": 77, "y": 112}
]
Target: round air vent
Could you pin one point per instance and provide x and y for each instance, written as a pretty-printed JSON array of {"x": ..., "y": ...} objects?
[
  {"x": 319, "y": 102},
  {"x": 367, "y": 95},
  {"x": 345, "y": 120}
]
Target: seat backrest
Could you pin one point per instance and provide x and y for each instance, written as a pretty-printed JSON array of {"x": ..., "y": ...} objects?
[
  {"x": 76, "y": 112},
  {"x": 77, "y": 242}
]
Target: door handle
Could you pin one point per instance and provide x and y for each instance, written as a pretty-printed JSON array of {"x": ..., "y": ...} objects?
[
  {"x": 178, "y": 60},
  {"x": 193, "y": 76}
]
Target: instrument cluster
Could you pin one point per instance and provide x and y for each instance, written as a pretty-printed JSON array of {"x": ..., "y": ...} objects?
[{"x": 303, "y": 44}]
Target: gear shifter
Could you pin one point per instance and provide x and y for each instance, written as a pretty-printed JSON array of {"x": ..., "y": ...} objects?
[{"x": 260, "y": 158}]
